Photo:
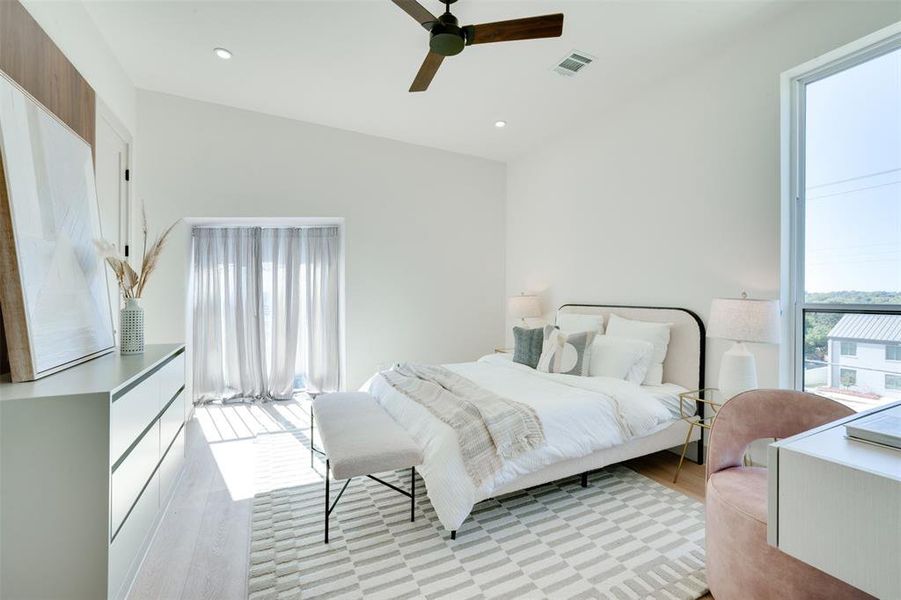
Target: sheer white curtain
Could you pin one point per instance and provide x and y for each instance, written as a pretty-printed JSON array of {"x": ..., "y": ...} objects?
[
  {"x": 265, "y": 311},
  {"x": 319, "y": 355}
]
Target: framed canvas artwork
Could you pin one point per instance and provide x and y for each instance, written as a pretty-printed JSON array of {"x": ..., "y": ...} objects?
[{"x": 53, "y": 294}]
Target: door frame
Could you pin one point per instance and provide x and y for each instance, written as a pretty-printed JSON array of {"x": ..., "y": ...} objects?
[
  {"x": 124, "y": 235},
  {"x": 126, "y": 222}
]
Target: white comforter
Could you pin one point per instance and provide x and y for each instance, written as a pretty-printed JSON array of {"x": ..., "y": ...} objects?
[{"x": 580, "y": 415}]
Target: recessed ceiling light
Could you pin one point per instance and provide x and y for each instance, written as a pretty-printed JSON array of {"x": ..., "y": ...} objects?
[
  {"x": 222, "y": 53},
  {"x": 500, "y": 124}
]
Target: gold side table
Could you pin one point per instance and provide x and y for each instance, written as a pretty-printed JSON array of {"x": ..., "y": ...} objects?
[{"x": 704, "y": 396}]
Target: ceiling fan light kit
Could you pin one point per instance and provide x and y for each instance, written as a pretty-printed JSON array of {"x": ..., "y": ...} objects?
[{"x": 447, "y": 38}]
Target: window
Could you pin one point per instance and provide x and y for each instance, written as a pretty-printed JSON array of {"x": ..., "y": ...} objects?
[
  {"x": 266, "y": 302},
  {"x": 893, "y": 352},
  {"x": 845, "y": 182},
  {"x": 848, "y": 377},
  {"x": 893, "y": 382},
  {"x": 848, "y": 349}
]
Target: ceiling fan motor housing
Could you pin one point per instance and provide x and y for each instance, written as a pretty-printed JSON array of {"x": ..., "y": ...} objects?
[{"x": 447, "y": 38}]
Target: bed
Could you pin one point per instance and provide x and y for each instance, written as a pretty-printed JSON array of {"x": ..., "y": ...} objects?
[{"x": 589, "y": 422}]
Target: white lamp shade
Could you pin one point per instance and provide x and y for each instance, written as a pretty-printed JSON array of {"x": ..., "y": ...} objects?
[
  {"x": 523, "y": 307},
  {"x": 745, "y": 320}
]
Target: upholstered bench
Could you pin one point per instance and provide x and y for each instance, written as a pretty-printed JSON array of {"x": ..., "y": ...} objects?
[{"x": 359, "y": 438}]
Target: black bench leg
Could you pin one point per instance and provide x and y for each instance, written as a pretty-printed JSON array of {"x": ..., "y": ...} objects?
[
  {"x": 584, "y": 479},
  {"x": 454, "y": 534},
  {"x": 412, "y": 494},
  {"x": 326, "y": 501}
]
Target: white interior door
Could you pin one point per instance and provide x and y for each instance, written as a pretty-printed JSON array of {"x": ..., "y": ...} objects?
[{"x": 112, "y": 155}]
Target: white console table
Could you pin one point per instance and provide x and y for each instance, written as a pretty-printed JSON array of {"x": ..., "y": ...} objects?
[
  {"x": 89, "y": 457},
  {"x": 835, "y": 503}
]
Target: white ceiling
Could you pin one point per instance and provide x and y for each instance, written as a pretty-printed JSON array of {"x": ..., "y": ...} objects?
[{"x": 348, "y": 64}]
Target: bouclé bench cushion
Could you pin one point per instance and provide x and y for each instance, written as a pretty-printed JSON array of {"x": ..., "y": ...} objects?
[{"x": 360, "y": 438}]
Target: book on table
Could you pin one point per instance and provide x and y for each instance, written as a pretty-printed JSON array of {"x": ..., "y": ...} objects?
[{"x": 883, "y": 428}]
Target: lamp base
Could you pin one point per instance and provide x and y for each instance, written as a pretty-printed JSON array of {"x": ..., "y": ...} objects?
[{"x": 738, "y": 371}]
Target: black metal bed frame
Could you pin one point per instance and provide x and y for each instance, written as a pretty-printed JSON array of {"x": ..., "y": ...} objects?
[
  {"x": 582, "y": 476},
  {"x": 702, "y": 353},
  {"x": 330, "y": 506}
]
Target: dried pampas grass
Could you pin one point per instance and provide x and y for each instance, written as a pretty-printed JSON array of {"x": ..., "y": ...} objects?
[{"x": 132, "y": 283}]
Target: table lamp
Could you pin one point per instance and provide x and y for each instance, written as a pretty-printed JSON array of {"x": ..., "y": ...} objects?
[
  {"x": 522, "y": 307},
  {"x": 742, "y": 320}
]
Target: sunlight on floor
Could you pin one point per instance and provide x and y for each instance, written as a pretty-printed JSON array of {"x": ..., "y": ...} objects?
[
  {"x": 236, "y": 463},
  {"x": 294, "y": 414},
  {"x": 223, "y": 422},
  {"x": 292, "y": 464},
  {"x": 231, "y": 431}
]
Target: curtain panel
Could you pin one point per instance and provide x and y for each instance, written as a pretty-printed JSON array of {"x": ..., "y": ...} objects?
[{"x": 265, "y": 311}]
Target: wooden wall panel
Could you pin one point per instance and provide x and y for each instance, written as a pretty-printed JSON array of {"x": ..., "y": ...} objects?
[{"x": 31, "y": 59}]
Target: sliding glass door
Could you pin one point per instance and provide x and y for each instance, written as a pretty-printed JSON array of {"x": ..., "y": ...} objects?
[{"x": 847, "y": 228}]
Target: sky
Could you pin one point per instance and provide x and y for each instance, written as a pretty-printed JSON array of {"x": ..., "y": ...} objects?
[{"x": 853, "y": 178}]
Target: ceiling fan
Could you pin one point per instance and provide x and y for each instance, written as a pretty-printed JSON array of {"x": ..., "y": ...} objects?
[{"x": 447, "y": 38}]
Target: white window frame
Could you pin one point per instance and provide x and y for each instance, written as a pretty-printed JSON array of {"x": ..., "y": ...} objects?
[
  {"x": 852, "y": 374},
  {"x": 794, "y": 84},
  {"x": 887, "y": 346},
  {"x": 885, "y": 381},
  {"x": 851, "y": 345}
]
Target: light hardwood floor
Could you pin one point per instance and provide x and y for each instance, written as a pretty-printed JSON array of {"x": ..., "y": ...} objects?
[
  {"x": 201, "y": 548},
  {"x": 661, "y": 466}
]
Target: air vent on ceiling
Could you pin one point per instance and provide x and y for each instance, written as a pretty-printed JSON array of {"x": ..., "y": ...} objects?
[{"x": 573, "y": 63}]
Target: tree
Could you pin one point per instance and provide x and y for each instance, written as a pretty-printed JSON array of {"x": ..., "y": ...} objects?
[{"x": 816, "y": 333}]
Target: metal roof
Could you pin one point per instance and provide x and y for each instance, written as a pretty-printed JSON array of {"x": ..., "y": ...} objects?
[{"x": 877, "y": 328}]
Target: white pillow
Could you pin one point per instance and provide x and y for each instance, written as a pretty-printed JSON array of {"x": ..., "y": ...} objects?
[
  {"x": 621, "y": 358},
  {"x": 573, "y": 323},
  {"x": 656, "y": 333}
]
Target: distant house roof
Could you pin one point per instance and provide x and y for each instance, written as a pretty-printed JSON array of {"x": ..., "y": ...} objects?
[{"x": 878, "y": 328}]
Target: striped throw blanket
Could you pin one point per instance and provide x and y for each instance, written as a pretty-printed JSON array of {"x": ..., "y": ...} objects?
[{"x": 489, "y": 428}]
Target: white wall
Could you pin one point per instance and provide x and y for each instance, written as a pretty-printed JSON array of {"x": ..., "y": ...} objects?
[
  {"x": 672, "y": 197},
  {"x": 424, "y": 228},
  {"x": 72, "y": 29}
]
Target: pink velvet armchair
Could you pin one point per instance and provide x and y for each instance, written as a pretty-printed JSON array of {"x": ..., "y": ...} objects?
[{"x": 740, "y": 563}]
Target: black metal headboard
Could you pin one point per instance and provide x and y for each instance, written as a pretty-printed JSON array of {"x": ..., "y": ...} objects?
[{"x": 686, "y": 355}]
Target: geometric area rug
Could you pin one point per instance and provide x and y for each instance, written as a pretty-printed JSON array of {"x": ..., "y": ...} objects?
[{"x": 623, "y": 537}]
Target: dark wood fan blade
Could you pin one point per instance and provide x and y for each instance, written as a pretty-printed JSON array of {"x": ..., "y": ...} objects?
[
  {"x": 426, "y": 72},
  {"x": 546, "y": 26},
  {"x": 416, "y": 10}
]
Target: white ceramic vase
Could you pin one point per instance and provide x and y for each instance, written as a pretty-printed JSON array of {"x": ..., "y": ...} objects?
[{"x": 131, "y": 327}]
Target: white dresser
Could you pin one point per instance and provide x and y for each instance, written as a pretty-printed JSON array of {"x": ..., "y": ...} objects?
[
  {"x": 835, "y": 503},
  {"x": 89, "y": 458}
]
